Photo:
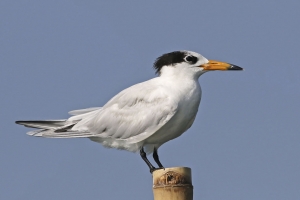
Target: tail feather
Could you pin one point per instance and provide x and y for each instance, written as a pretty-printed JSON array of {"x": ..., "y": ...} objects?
[
  {"x": 54, "y": 134},
  {"x": 54, "y": 129},
  {"x": 69, "y": 134},
  {"x": 36, "y": 133},
  {"x": 43, "y": 124}
]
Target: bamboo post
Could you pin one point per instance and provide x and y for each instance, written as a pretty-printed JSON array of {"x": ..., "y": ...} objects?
[{"x": 173, "y": 184}]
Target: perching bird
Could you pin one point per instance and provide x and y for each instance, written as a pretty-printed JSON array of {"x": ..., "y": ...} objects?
[{"x": 143, "y": 116}]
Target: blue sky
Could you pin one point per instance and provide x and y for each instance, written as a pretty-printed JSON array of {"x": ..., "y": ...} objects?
[{"x": 57, "y": 56}]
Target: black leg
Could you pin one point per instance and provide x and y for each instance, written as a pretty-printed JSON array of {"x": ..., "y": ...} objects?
[
  {"x": 156, "y": 158},
  {"x": 143, "y": 155}
]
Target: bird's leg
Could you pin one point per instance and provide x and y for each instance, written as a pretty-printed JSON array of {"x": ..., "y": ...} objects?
[
  {"x": 156, "y": 158},
  {"x": 143, "y": 155}
]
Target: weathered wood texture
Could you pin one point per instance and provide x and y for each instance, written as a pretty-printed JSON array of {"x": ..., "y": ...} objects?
[{"x": 173, "y": 184}]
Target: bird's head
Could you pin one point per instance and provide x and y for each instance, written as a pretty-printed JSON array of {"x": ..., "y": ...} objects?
[{"x": 188, "y": 63}]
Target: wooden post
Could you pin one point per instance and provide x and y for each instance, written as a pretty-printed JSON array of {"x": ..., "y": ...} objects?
[{"x": 173, "y": 184}]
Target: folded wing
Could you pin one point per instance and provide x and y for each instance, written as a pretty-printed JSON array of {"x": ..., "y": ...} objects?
[{"x": 131, "y": 116}]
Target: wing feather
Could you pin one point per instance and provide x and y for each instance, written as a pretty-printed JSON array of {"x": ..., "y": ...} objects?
[
  {"x": 83, "y": 111},
  {"x": 132, "y": 115}
]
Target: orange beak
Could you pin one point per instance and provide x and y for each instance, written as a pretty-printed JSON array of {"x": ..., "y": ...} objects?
[{"x": 217, "y": 65}]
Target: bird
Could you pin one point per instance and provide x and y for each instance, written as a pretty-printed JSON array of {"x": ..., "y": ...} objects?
[{"x": 144, "y": 116}]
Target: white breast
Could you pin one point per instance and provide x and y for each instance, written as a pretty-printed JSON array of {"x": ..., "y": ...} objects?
[{"x": 188, "y": 99}]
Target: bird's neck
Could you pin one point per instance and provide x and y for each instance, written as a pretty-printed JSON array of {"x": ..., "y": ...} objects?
[
  {"x": 181, "y": 84},
  {"x": 178, "y": 74}
]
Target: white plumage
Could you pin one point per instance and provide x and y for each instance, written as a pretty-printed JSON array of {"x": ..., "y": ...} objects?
[{"x": 145, "y": 115}]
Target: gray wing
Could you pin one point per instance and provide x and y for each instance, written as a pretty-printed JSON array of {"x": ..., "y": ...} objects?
[
  {"x": 83, "y": 111},
  {"x": 132, "y": 115}
]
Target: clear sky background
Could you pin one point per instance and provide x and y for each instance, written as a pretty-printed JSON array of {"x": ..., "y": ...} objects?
[{"x": 61, "y": 55}]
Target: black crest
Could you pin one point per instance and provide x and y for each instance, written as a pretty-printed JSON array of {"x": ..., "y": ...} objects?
[
  {"x": 172, "y": 59},
  {"x": 169, "y": 59}
]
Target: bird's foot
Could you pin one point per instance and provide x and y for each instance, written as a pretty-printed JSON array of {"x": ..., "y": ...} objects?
[{"x": 154, "y": 169}]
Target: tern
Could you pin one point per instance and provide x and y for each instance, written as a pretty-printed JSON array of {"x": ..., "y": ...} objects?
[{"x": 144, "y": 116}]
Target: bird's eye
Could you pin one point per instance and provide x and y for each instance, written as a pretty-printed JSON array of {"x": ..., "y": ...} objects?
[{"x": 191, "y": 59}]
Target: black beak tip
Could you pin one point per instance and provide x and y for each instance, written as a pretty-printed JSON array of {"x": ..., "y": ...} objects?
[{"x": 235, "y": 67}]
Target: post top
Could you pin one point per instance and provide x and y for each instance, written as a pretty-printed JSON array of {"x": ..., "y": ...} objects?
[{"x": 173, "y": 176}]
